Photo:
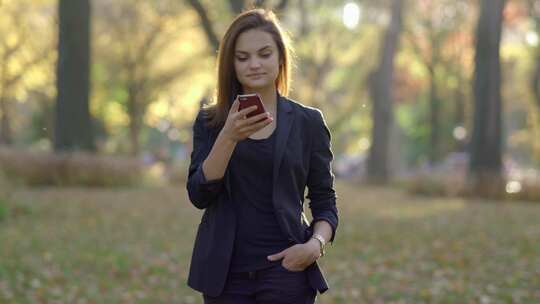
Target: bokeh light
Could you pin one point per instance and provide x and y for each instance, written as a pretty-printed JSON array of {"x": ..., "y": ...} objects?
[{"x": 351, "y": 15}]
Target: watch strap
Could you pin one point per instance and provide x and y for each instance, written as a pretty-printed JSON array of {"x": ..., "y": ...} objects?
[{"x": 322, "y": 242}]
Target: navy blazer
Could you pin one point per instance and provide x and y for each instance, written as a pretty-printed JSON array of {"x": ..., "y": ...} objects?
[{"x": 302, "y": 157}]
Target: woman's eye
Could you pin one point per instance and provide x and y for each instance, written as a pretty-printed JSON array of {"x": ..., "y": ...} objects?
[
  {"x": 266, "y": 55},
  {"x": 241, "y": 58}
]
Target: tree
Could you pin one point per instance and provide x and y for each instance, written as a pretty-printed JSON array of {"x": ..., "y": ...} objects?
[
  {"x": 534, "y": 13},
  {"x": 206, "y": 24},
  {"x": 486, "y": 143},
  {"x": 533, "y": 8},
  {"x": 16, "y": 42},
  {"x": 141, "y": 57},
  {"x": 73, "y": 128},
  {"x": 436, "y": 37},
  {"x": 380, "y": 86},
  {"x": 235, "y": 7}
]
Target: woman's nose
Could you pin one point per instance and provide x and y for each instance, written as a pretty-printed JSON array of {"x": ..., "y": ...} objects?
[{"x": 254, "y": 63}]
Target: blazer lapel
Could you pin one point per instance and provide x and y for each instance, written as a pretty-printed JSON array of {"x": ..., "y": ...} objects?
[{"x": 285, "y": 119}]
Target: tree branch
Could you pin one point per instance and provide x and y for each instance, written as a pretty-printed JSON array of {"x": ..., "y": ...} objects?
[
  {"x": 236, "y": 6},
  {"x": 149, "y": 41},
  {"x": 259, "y": 3},
  {"x": 165, "y": 78},
  {"x": 282, "y": 5},
  {"x": 206, "y": 24}
]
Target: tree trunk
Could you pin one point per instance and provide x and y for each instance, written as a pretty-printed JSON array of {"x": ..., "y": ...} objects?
[
  {"x": 535, "y": 88},
  {"x": 5, "y": 126},
  {"x": 381, "y": 94},
  {"x": 459, "y": 97},
  {"x": 534, "y": 14},
  {"x": 73, "y": 128},
  {"x": 6, "y": 137},
  {"x": 485, "y": 169},
  {"x": 434, "y": 116},
  {"x": 135, "y": 119},
  {"x": 304, "y": 22},
  {"x": 459, "y": 113},
  {"x": 134, "y": 131},
  {"x": 535, "y": 84}
]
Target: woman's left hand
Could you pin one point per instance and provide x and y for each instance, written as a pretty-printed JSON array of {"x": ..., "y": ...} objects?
[{"x": 298, "y": 257}]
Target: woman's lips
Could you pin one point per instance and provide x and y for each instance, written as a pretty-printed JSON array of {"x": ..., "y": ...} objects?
[{"x": 255, "y": 75}]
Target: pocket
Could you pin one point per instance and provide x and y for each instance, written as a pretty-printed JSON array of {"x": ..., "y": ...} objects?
[
  {"x": 291, "y": 286},
  {"x": 280, "y": 265}
]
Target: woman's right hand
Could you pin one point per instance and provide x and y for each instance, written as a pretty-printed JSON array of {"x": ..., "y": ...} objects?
[{"x": 239, "y": 127}]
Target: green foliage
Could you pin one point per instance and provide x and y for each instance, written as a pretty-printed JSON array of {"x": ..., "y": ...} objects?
[
  {"x": 411, "y": 118},
  {"x": 176, "y": 69}
]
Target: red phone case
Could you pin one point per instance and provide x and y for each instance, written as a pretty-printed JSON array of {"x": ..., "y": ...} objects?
[{"x": 249, "y": 100}]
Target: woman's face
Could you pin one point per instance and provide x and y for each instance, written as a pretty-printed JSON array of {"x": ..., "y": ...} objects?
[{"x": 256, "y": 60}]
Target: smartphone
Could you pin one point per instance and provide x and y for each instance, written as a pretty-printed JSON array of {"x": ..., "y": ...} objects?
[{"x": 249, "y": 100}]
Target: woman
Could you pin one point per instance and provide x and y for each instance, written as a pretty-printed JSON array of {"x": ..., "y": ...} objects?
[{"x": 254, "y": 243}]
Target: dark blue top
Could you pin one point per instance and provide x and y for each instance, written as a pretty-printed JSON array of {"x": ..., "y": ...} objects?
[{"x": 258, "y": 233}]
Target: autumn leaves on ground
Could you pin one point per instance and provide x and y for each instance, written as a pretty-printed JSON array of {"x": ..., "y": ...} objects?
[{"x": 80, "y": 245}]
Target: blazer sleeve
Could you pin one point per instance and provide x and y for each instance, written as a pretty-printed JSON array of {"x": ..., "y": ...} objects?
[
  {"x": 202, "y": 193},
  {"x": 320, "y": 179}
]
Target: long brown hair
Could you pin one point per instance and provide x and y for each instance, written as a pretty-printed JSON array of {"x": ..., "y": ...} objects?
[{"x": 228, "y": 85}]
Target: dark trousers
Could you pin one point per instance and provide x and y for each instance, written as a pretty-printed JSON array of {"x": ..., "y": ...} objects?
[{"x": 274, "y": 285}]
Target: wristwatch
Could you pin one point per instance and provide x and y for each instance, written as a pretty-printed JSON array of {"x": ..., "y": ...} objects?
[{"x": 322, "y": 242}]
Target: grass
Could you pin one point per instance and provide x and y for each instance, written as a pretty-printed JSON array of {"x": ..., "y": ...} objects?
[{"x": 133, "y": 246}]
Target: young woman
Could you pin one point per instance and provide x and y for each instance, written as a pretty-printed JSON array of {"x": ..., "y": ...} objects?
[{"x": 254, "y": 243}]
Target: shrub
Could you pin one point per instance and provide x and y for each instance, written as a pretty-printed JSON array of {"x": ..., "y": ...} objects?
[
  {"x": 529, "y": 190},
  {"x": 435, "y": 184},
  {"x": 4, "y": 195},
  {"x": 177, "y": 172},
  {"x": 450, "y": 179},
  {"x": 3, "y": 210},
  {"x": 446, "y": 179},
  {"x": 77, "y": 168}
]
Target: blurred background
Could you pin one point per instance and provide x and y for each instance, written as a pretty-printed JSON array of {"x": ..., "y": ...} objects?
[{"x": 433, "y": 105}]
